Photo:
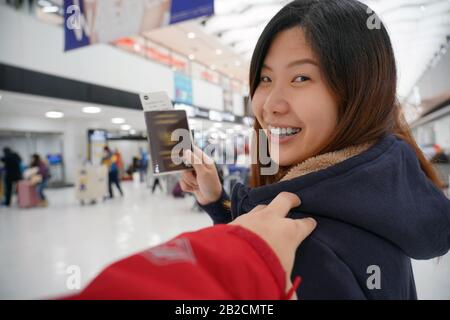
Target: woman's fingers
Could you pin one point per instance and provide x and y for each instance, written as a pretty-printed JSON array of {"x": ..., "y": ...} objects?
[
  {"x": 201, "y": 155},
  {"x": 189, "y": 178},
  {"x": 193, "y": 160},
  {"x": 185, "y": 187},
  {"x": 189, "y": 186},
  {"x": 206, "y": 180}
]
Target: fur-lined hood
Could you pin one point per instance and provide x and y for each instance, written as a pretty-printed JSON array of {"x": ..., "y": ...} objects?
[{"x": 324, "y": 161}]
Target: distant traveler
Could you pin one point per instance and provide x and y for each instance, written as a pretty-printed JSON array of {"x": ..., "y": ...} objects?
[
  {"x": 13, "y": 173},
  {"x": 110, "y": 160},
  {"x": 44, "y": 173}
]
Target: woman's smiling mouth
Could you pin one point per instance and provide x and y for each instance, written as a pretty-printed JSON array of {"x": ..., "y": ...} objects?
[{"x": 280, "y": 134}]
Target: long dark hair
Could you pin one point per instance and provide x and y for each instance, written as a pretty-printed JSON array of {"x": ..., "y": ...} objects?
[
  {"x": 35, "y": 160},
  {"x": 358, "y": 65}
]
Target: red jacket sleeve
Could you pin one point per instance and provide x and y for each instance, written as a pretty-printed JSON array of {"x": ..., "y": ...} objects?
[{"x": 220, "y": 262}]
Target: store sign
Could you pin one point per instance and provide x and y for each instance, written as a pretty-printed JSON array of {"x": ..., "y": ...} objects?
[{"x": 99, "y": 21}]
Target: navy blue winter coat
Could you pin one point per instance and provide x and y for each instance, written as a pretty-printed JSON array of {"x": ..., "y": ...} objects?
[{"x": 375, "y": 211}]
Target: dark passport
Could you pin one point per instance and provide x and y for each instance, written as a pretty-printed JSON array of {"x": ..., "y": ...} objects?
[{"x": 168, "y": 135}]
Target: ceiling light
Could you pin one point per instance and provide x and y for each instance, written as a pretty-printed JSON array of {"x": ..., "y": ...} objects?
[
  {"x": 118, "y": 120},
  {"x": 50, "y": 9},
  {"x": 191, "y": 35},
  {"x": 92, "y": 110},
  {"x": 217, "y": 125},
  {"x": 191, "y": 57},
  {"x": 218, "y": 52},
  {"x": 213, "y": 67},
  {"x": 54, "y": 114},
  {"x": 125, "y": 127},
  {"x": 132, "y": 131}
]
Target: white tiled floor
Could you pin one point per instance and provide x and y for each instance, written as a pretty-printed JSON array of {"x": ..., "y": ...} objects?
[{"x": 37, "y": 245}]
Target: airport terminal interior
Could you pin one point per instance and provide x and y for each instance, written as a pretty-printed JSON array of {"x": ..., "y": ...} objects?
[{"x": 71, "y": 111}]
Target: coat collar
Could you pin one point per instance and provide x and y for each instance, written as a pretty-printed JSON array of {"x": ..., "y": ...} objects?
[{"x": 325, "y": 160}]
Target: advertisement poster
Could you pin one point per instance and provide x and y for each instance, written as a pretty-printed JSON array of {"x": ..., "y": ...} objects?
[
  {"x": 183, "y": 88},
  {"x": 99, "y": 21}
]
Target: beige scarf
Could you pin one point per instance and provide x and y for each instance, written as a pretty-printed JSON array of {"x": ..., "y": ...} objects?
[{"x": 325, "y": 160}]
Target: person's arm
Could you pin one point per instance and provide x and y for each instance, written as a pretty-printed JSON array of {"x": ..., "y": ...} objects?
[
  {"x": 254, "y": 264},
  {"x": 195, "y": 266}
]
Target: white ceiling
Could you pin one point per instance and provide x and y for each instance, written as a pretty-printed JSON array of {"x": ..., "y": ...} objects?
[
  {"x": 418, "y": 29},
  {"x": 203, "y": 47}
]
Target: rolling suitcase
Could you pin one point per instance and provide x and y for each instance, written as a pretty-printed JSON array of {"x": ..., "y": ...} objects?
[{"x": 27, "y": 194}]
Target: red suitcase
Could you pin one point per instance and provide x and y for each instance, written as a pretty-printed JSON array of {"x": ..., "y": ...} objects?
[{"x": 27, "y": 194}]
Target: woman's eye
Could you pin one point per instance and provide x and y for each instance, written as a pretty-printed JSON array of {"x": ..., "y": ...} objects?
[
  {"x": 300, "y": 79},
  {"x": 265, "y": 79}
]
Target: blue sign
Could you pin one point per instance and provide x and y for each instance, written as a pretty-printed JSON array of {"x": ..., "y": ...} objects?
[
  {"x": 75, "y": 26},
  {"x": 182, "y": 10},
  {"x": 54, "y": 159},
  {"x": 183, "y": 88}
]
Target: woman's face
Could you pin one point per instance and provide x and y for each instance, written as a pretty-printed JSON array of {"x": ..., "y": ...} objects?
[{"x": 292, "y": 102}]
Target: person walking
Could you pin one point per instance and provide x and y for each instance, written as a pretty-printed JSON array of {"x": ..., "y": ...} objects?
[
  {"x": 110, "y": 160},
  {"x": 13, "y": 172},
  {"x": 156, "y": 183}
]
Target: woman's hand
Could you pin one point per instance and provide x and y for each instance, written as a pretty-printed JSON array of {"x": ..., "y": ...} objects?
[{"x": 203, "y": 181}]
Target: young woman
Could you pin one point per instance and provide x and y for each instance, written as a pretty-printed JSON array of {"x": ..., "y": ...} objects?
[{"x": 323, "y": 87}]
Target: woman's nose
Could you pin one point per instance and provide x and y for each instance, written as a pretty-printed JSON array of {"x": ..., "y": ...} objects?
[{"x": 276, "y": 105}]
